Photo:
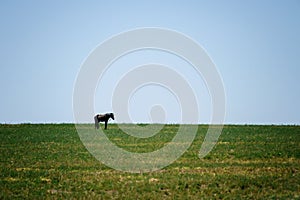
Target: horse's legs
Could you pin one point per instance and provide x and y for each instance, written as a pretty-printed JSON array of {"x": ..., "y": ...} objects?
[{"x": 106, "y": 124}]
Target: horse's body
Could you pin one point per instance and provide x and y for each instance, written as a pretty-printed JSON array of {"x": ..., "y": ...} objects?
[{"x": 103, "y": 118}]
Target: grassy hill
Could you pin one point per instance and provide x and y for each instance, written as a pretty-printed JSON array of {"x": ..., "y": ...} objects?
[{"x": 49, "y": 161}]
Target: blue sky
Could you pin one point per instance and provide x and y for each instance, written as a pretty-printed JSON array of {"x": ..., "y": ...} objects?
[{"x": 254, "y": 44}]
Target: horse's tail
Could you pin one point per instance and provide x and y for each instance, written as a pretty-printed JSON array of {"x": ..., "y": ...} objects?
[{"x": 96, "y": 122}]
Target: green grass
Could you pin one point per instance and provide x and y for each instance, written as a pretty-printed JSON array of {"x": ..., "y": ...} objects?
[{"x": 48, "y": 161}]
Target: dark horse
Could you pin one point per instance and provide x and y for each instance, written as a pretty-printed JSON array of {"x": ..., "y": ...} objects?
[{"x": 103, "y": 118}]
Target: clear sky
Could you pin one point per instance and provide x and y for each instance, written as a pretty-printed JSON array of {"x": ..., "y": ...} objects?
[{"x": 254, "y": 44}]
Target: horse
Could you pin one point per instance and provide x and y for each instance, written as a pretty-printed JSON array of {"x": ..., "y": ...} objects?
[{"x": 103, "y": 118}]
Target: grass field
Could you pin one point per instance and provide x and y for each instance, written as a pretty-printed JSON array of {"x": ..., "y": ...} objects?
[{"x": 48, "y": 161}]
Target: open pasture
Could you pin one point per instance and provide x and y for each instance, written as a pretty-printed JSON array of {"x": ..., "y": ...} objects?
[{"x": 49, "y": 161}]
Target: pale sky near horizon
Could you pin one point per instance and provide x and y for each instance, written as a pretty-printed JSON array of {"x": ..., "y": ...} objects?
[{"x": 255, "y": 46}]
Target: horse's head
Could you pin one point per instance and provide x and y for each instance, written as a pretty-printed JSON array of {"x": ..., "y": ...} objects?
[{"x": 112, "y": 116}]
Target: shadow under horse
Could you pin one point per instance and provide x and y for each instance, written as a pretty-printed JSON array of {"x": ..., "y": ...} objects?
[{"x": 103, "y": 118}]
